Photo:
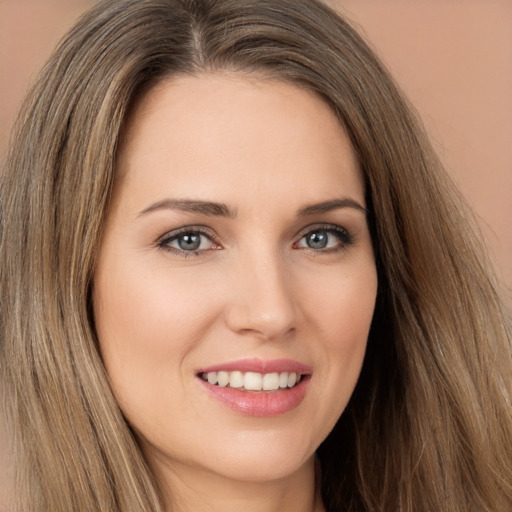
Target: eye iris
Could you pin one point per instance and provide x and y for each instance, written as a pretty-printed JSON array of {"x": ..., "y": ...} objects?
[
  {"x": 189, "y": 241},
  {"x": 317, "y": 240}
]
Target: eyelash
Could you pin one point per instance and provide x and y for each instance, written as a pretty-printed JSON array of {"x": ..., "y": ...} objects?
[
  {"x": 345, "y": 239},
  {"x": 164, "y": 242}
]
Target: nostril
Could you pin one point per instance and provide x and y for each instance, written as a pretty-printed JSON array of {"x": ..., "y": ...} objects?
[{"x": 251, "y": 320}]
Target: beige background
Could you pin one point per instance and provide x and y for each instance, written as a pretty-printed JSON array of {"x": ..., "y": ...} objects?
[{"x": 452, "y": 57}]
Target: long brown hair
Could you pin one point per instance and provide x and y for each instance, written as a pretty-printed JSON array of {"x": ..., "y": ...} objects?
[{"x": 429, "y": 426}]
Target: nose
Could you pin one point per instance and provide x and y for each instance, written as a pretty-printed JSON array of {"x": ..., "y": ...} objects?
[{"x": 262, "y": 300}]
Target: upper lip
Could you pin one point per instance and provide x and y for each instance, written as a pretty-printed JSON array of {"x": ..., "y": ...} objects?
[{"x": 260, "y": 366}]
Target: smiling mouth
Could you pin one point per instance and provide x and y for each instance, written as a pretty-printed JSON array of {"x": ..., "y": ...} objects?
[{"x": 253, "y": 381}]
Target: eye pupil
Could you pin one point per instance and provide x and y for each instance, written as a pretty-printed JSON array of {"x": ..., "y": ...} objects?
[
  {"x": 317, "y": 240},
  {"x": 189, "y": 241}
]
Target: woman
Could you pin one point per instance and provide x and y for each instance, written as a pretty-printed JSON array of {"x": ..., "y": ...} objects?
[{"x": 206, "y": 196}]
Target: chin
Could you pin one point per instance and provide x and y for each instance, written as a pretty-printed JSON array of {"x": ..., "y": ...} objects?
[
  {"x": 258, "y": 470},
  {"x": 262, "y": 456}
]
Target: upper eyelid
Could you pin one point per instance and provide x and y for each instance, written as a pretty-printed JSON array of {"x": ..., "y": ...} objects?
[
  {"x": 202, "y": 230},
  {"x": 322, "y": 225},
  {"x": 210, "y": 232}
]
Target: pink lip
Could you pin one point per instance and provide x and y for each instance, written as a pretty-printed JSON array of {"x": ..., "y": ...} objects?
[
  {"x": 260, "y": 403},
  {"x": 260, "y": 366}
]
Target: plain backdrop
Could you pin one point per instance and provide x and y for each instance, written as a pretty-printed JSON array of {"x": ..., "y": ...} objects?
[{"x": 453, "y": 58}]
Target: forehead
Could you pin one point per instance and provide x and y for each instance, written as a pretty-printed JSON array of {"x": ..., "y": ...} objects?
[{"x": 230, "y": 133}]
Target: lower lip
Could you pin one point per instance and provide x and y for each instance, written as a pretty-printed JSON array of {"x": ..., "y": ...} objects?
[{"x": 262, "y": 403}]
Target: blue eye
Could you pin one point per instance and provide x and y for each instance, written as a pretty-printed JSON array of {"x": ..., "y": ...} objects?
[
  {"x": 325, "y": 238},
  {"x": 187, "y": 241}
]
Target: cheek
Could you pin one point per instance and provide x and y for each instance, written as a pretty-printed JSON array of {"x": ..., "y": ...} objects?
[
  {"x": 342, "y": 318},
  {"x": 146, "y": 323},
  {"x": 350, "y": 310},
  {"x": 342, "y": 303}
]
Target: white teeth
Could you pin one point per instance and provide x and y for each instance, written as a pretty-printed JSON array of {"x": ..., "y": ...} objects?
[
  {"x": 223, "y": 379},
  {"x": 271, "y": 381},
  {"x": 252, "y": 381},
  {"x": 236, "y": 380}
]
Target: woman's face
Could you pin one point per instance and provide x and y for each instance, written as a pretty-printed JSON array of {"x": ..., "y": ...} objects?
[{"x": 236, "y": 260}]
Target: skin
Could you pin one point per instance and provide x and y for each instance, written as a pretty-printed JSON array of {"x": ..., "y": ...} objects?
[{"x": 255, "y": 288}]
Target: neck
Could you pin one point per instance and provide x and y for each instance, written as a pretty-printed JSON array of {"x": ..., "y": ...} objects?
[{"x": 188, "y": 489}]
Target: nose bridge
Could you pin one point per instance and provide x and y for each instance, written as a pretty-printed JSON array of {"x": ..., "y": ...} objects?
[{"x": 263, "y": 303}]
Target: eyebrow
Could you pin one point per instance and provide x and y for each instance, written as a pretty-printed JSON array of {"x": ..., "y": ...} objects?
[
  {"x": 223, "y": 210},
  {"x": 333, "y": 204},
  {"x": 191, "y": 206}
]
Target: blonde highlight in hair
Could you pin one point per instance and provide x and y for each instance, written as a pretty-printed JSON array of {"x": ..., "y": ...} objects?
[{"x": 429, "y": 426}]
